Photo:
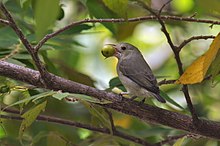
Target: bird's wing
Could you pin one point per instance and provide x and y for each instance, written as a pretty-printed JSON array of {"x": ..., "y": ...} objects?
[{"x": 139, "y": 71}]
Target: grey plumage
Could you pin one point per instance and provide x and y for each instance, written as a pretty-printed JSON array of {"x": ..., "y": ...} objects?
[{"x": 134, "y": 73}]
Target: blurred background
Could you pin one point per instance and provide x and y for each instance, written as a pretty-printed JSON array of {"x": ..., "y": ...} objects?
[{"x": 75, "y": 54}]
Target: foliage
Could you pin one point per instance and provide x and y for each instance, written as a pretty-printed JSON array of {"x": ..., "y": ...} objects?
[{"x": 75, "y": 54}]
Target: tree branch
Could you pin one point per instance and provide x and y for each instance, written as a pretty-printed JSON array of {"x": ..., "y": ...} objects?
[
  {"x": 178, "y": 61},
  {"x": 146, "y": 113},
  {"x": 26, "y": 43},
  {"x": 120, "y": 20},
  {"x": 56, "y": 120},
  {"x": 185, "y": 42}
]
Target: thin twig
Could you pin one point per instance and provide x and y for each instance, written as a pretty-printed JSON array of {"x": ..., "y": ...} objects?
[
  {"x": 75, "y": 124},
  {"x": 5, "y": 22},
  {"x": 120, "y": 20},
  {"x": 164, "y": 5},
  {"x": 166, "y": 82},
  {"x": 179, "y": 64},
  {"x": 27, "y": 45},
  {"x": 13, "y": 52},
  {"x": 185, "y": 42}
]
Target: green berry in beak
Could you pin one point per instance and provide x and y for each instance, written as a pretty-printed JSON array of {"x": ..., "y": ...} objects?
[{"x": 108, "y": 51}]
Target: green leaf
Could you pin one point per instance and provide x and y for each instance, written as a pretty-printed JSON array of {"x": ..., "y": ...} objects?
[
  {"x": 179, "y": 142},
  {"x": 60, "y": 95},
  {"x": 22, "y": 56},
  {"x": 76, "y": 29},
  {"x": 17, "y": 62},
  {"x": 97, "y": 9},
  {"x": 115, "y": 82},
  {"x": 35, "y": 97},
  {"x": 215, "y": 66},
  {"x": 7, "y": 37},
  {"x": 170, "y": 100},
  {"x": 117, "y": 6},
  {"x": 24, "y": 3},
  {"x": 30, "y": 116},
  {"x": 46, "y": 13},
  {"x": 99, "y": 114}
]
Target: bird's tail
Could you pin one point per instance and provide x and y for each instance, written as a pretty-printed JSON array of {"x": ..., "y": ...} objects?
[{"x": 159, "y": 98}]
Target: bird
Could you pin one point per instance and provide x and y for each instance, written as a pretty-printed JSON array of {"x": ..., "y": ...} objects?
[{"x": 134, "y": 73}]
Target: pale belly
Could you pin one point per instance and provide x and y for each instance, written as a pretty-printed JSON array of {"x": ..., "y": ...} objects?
[{"x": 133, "y": 88}]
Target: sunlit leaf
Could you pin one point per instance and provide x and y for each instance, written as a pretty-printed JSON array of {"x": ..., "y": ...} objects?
[
  {"x": 97, "y": 9},
  {"x": 183, "y": 6},
  {"x": 38, "y": 96},
  {"x": 179, "y": 142},
  {"x": 60, "y": 95},
  {"x": 124, "y": 121},
  {"x": 215, "y": 66},
  {"x": 30, "y": 116},
  {"x": 24, "y": 3},
  {"x": 117, "y": 6},
  {"x": 46, "y": 13},
  {"x": 196, "y": 72}
]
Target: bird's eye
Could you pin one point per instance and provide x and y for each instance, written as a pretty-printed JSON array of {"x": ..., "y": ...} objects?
[{"x": 123, "y": 48}]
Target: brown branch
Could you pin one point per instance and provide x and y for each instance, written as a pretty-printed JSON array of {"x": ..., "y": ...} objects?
[
  {"x": 146, "y": 113},
  {"x": 25, "y": 42},
  {"x": 166, "y": 82},
  {"x": 56, "y": 120},
  {"x": 179, "y": 64},
  {"x": 120, "y": 20},
  {"x": 185, "y": 42}
]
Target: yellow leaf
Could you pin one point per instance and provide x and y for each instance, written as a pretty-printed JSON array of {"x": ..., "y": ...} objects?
[
  {"x": 179, "y": 142},
  {"x": 196, "y": 72},
  {"x": 124, "y": 121}
]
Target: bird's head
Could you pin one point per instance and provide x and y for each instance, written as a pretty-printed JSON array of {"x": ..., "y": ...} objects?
[{"x": 123, "y": 49}]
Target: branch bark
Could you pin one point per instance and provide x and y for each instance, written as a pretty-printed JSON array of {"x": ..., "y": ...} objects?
[
  {"x": 51, "y": 119},
  {"x": 145, "y": 112}
]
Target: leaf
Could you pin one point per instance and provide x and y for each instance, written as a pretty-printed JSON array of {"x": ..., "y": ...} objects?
[
  {"x": 24, "y": 3},
  {"x": 115, "y": 82},
  {"x": 38, "y": 96},
  {"x": 55, "y": 139},
  {"x": 196, "y": 72},
  {"x": 46, "y": 13},
  {"x": 117, "y": 6},
  {"x": 60, "y": 95},
  {"x": 215, "y": 66},
  {"x": 7, "y": 37},
  {"x": 170, "y": 100},
  {"x": 99, "y": 113},
  {"x": 97, "y": 9},
  {"x": 76, "y": 29},
  {"x": 179, "y": 142},
  {"x": 30, "y": 116}
]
